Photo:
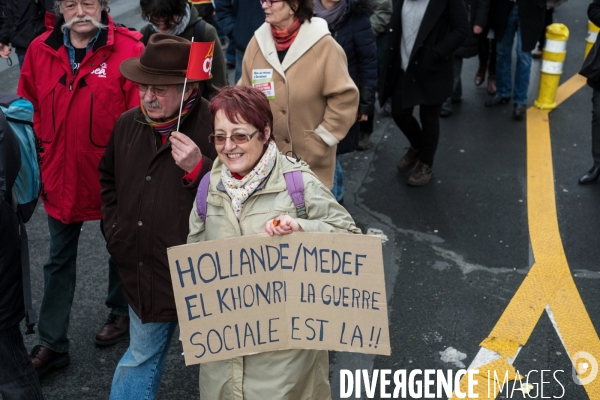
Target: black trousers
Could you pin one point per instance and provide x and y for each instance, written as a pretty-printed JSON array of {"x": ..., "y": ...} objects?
[
  {"x": 18, "y": 379},
  {"x": 422, "y": 136},
  {"x": 596, "y": 127}
]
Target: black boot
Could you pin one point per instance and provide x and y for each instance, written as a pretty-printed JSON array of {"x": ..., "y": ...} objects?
[{"x": 591, "y": 176}]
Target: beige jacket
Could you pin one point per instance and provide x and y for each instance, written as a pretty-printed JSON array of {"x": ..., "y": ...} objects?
[
  {"x": 315, "y": 99},
  {"x": 286, "y": 374}
]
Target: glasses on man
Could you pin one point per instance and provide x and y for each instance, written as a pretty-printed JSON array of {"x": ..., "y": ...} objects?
[
  {"x": 159, "y": 91},
  {"x": 237, "y": 138},
  {"x": 269, "y": 3}
]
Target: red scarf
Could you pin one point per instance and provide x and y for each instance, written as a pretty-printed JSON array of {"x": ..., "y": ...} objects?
[{"x": 285, "y": 38}]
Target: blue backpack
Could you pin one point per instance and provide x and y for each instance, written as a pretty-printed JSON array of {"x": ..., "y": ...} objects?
[{"x": 27, "y": 188}]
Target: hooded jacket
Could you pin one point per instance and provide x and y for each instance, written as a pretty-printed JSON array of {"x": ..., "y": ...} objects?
[
  {"x": 146, "y": 205},
  {"x": 75, "y": 113},
  {"x": 219, "y": 73},
  {"x": 315, "y": 100},
  {"x": 285, "y": 374},
  {"x": 12, "y": 309}
]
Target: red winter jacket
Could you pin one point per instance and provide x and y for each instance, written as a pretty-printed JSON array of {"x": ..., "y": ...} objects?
[{"x": 75, "y": 114}]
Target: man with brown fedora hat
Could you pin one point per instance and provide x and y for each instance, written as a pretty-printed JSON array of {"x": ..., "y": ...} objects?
[{"x": 149, "y": 176}]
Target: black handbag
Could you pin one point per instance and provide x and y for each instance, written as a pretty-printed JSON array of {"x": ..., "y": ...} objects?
[{"x": 591, "y": 65}]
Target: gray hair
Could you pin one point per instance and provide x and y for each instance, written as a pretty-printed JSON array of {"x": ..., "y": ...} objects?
[{"x": 58, "y": 10}]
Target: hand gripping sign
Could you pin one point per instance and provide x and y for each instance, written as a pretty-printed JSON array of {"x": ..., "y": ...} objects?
[
  {"x": 200, "y": 63},
  {"x": 253, "y": 294}
]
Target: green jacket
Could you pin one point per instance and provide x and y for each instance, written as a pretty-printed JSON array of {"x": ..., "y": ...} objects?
[
  {"x": 286, "y": 374},
  {"x": 219, "y": 71}
]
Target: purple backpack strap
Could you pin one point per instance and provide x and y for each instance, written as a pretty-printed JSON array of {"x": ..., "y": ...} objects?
[
  {"x": 295, "y": 187},
  {"x": 201, "y": 196}
]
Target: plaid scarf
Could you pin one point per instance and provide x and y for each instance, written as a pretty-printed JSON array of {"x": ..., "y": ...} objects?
[
  {"x": 284, "y": 39},
  {"x": 165, "y": 127}
]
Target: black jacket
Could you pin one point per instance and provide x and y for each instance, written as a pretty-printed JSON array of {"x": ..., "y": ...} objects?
[
  {"x": 353, "y": 32},
  {"x": 594, "y": 17},
  {"x": 12, "y": 309},
  {"x": 429, "y": 75},
  {"x": 531, "y": 19},
  {"x": 477, "y": 12},
  {"x": 21, "y": 21}
]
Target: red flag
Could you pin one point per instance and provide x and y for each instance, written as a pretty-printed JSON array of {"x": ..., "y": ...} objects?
[{"x": 200, "y": 62}]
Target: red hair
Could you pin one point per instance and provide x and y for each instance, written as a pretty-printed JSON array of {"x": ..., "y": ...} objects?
[{"x": 244, "y": 103}]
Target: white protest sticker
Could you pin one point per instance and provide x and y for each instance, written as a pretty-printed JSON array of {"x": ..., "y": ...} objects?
[{"x": 262, "y": 79}]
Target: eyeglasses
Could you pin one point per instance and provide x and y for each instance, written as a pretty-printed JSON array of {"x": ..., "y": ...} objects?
[
  {"x": 168, "y": 24},
  {"x": 269, "y": 3},
  {"x": 237, "y": 138},
  {"x": 158, "y": 91}
]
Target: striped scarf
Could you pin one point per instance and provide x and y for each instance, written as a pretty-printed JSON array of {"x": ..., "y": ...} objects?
[{"x": 165, "y": 127}]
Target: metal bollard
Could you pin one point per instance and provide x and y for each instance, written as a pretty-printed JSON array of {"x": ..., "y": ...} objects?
[
  {"x": 553, "y": 58},
  {"x": 591, "y": 37}
]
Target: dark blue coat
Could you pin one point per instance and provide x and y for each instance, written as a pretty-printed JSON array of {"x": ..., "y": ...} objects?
[
  {"x": 353, "y": 32},
  {"x": 239, "y": 19}
]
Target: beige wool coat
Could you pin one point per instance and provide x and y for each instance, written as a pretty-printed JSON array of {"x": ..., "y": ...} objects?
[
  {"x": 274, "y": 375},
  {"x": 315, "y": 99}
]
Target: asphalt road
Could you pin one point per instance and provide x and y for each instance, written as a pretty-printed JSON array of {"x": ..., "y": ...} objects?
[{"x": 457, "y": 250}]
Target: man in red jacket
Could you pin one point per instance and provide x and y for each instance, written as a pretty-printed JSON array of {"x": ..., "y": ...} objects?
[{"x": 71, "y": 75}]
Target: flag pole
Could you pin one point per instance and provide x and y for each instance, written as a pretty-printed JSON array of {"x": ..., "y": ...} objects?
[{"x": 183, "y": 93}]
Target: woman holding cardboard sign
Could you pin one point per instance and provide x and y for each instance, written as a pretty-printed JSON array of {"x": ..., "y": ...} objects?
[
  {"x": 249, "y": 192},
  {"x": 296, "y": 62}
]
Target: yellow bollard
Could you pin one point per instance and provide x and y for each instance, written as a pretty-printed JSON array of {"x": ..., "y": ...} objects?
[
  {"x": 591, "y": 37},
  {"x": 553, "y": 58}
]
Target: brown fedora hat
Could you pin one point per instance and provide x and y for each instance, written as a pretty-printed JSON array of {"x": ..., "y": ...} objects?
[{"x": 164, "y": 61}]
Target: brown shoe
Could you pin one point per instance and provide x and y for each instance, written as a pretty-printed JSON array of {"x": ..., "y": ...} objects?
[
  {"x": 44, "y": 360},
  {"x": 408, "y": 160},
  {"x": 115, "y": 329},
  {"x": 491, "y": 85},
  {"x": 421, "y": 176},
  {"x": 480, "y": 75}
]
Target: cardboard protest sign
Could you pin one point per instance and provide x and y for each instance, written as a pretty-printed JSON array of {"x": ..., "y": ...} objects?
[{"x": 259, "y": 293}]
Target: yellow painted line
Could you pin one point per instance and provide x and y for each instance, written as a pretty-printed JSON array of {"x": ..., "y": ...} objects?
[
  {"x": 549, "y": 282},
  {"x": 568, "y": 88}
]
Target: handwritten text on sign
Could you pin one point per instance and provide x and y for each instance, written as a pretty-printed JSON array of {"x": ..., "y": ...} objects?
[{"x": 258, "y": 293}]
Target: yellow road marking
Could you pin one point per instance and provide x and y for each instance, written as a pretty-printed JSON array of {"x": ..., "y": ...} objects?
[{"x": 549, "y": 282}]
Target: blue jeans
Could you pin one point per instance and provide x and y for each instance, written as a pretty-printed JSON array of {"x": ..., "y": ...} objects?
[
  {"x": 338, "y": 181},
  {"x": 18, "y": 380},
  {"x": 239, "y": 57},
  {"x": 59, "y": 286},
  {"x": 504, "y": 61},
  {"x": 138, "y": 373},
  {"x": 21, "y": 58}
]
